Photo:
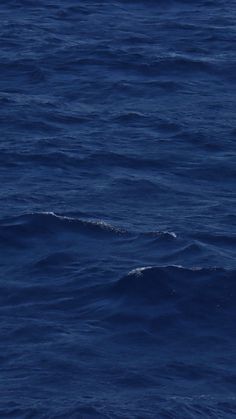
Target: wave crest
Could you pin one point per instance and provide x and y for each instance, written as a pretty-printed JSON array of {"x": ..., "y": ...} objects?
[{"x": 42, "y": 223}]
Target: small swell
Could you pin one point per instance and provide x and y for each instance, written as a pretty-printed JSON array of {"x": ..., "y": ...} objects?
[
  {"x": 65, "y": 160},
  {"x": 49, "y": 222},
  {"x": 177, "y": 293},
  {"x": 156, "y": 278},
  {"x": 178, "y": 65},
  {"x": 130, "y": 116},
  {"x": 119, "y": 160},
  {"x": 218, "y": 239},
  {"x": 160, "y": 234},
  {"x": 26, "y": 69},
  {"x": 14, "y": 231}
]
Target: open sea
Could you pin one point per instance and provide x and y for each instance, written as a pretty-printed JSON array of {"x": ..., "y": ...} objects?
[{"x": 117, "y": 215}]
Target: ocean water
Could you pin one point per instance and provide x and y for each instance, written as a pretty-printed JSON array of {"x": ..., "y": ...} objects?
[{"x": 117, "y": 216}]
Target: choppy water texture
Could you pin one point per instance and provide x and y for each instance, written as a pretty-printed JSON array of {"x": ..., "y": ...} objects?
[{"x": 117, "y": 218}]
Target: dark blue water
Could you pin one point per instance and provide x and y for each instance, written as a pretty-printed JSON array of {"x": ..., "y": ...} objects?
[{"x": 117, "y": 216}]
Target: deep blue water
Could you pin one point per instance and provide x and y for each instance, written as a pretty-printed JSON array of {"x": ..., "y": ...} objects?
[{"x": 117, "y": 216}]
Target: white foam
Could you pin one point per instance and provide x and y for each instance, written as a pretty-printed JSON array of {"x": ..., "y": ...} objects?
[{"x": 139, "y": 271}]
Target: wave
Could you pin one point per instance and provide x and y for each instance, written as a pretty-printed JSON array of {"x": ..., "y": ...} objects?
[
  {"x": 48, "y": 222},
  {"x": 151, "y": 296},
  {"x": 162, "y": 298},
  {"x": 66, "y": 160},
  {"x": 174, "y": 282},
  {"x": 26, "y": 69},
  {"x": 72, "y": 233},
  {"x": 106, "y": 406}
]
